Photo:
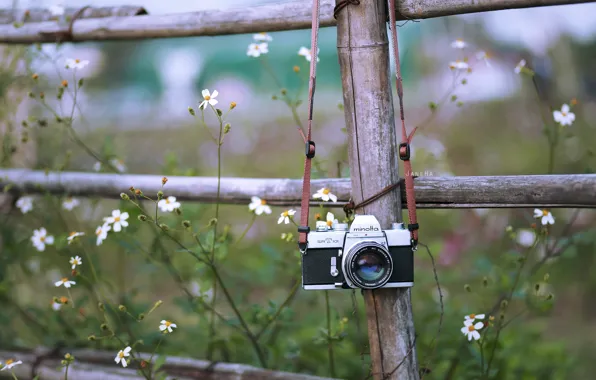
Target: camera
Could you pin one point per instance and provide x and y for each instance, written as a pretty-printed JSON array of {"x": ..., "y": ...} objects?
[{"x": 365, "y": 257}]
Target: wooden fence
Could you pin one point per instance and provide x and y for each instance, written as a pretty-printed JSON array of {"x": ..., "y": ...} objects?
[{"x": 360, "y": 36}]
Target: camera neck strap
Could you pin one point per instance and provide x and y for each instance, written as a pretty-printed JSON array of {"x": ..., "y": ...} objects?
[{"x": 404, "y": 146}]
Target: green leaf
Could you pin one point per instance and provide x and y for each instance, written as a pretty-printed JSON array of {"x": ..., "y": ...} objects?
[{"x": 159, "y": 362}]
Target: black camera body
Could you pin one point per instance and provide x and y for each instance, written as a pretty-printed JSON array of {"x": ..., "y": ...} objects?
[{"x": 365, "y": 257}]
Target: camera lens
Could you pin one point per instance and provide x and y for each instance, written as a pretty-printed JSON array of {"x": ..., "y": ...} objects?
[{"x": 368, "y": 265}]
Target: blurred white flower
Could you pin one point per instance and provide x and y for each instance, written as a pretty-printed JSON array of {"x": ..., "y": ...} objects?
[
  {"x": 525, "y": 237},
  {"x": 259, "y": 206},
  {"x": 545, "y": 216},
  {"x": 76, "y": 63},
  {"x": 118, "y": 165},
  {"x": 262, "y": 37},
  {"x": 102, "y": 233},
  {"x": 520, "y": 66},
  {"x": 473, "y": 317},
  {"x": 325, "y": 195},
  {"x": 168, "y": 204},
  {"x": 70, "y": 203},
  {"x": 167, "y": 326},
  {"x": 458, "y": 44},
  {"x": 57, "y": 10},
  {"x": 208, "y": 98},
  {"x": 40, "y": 238},
  {"x": 471, "y": 330},
  {"x": 564, "y": 116},
  {"x": 483, "y": 56},
  {"x": 330, "y": 220},
  {"x": 65, "y": 281},
  {"x": 306, "y": 53},
  {"x": 122, "y": 354},
  {"x": 97, "y": 166},
  {"x": 75, "y": 261},
  {"x": 196, "y": 290},
  {"x": 459, "y": 65},
  {"x": 73, "y": 235},
  {"x": 56, "y": 305},
  {"x": 25, "y": 204},
  {"x": 118, "y": 220},
  {"x": 255, "y": 50},
  {"x": 286, "y": 216},
  {"x": 9, "y": 364}
]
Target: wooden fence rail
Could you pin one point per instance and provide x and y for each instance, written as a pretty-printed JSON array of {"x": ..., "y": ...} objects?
[
  {"x": 548, "y": 191},
  {"x": 99, "y": 365},
  {"x": 280, "y": 16}
]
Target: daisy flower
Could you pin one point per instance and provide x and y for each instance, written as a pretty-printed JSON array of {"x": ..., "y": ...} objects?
[
  {"x": 121, "y": 356},
  {"x": 255, "y": 50},
  {"x": 70, "y": 203},
  {"x": 325, "y": 195},
  {"x": 9, "y": 364},
  {"x": 97, "y": 166},
  {"x": 56, "y": 305},
  {"x": 118, "y": 220},
  {"x": 473, "y": 317},
  {"x": 57, "y": 10},
  {"x": 330, "y": 220},
  {"x": 40, "y": 238},
  {"x": 520, "y": 66},
  {"x": 564, "y": 116},
  {"x": 545, "y": 215},
  {"x": 167, "y": 325},
  {"x": 471, "y": 330},
  {"x": 306, "y": 53},
  {"x": 264, "y": 37},
  {"x": 73, "y": 235},
  {"x": 458, "y": 44},
  {"x": 168, "y": 204},
  {"x": 75, "y": 261},
  {"x": 208, "y": 98},
  {"x": 483, "y": 56},
  {"x": 459, "y": 65},
  {"x": 102, "y": 233},
  {"x": 525, "y": 237},
  {"x": 259, "y": 206},
  {"x": 76, "y": 64},
  {"x": 64, "y": 281},
  {"x": 25, "y": 204},
  {"x": 118, "y": 165},
  {"x": 286, "y": 216}
]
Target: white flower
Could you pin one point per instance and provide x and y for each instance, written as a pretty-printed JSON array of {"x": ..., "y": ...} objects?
[
  {"x": 259, "y": 206},
  {"x": 262, "y": 37},
  {"x": 25, "y": 204},
  {"x": 459, "y": 65},
  {"x": 255, "y": 50},
  {"x": 473, "y": 317},
  {"x": 525, "y": 237},
  {"x": 97, "y": 166},
  {"x": 325, "y": 194},
  {"x": 458, "y": 44},
  {"x": 122, "y": 354},
  {"x": 208, "y": 98},
  {"x": 330, "y": 220},
  {"x": 167, "y": 325},
  {"x": 520, "y": 66},
  {"x": 74, "y": 261},
  {"x": 471, "y": 330},
  {"x": 40, "y": 238},
  {"x": 70, "y": 203},
  {"x": 483, "y": 56},
  {"x": 102, "y": 233},
  {"x": 118, "y": 220},
  {"x": 57, "y": 10},
  {"x": 118, "y": 165},
  {"x": 168, "y": 204},
  {"x": 76, "y": 63},
  {"x": 564, "y": 116},
  {"x": 286, "y": 216},
  {"x": 64, "y": 281},
  {"x": 56, "y": 305},
  {"x": 73, "y": 235},
  {"x": 547, "y": 217},
  {"x": 306, "y": 53},
  {"x": 9, "y": 364},
  {"x": 196, "y": 290}
]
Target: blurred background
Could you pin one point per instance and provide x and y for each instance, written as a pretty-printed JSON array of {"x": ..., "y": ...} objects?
[{"x": 485, "y": 121}]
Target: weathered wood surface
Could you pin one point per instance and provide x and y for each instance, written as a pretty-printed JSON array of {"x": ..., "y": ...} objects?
[
  {"x": 372, "y": 148},
  {"x": 99, "y": 365},
  {"x": 548, "y": 191},
  {"x": 37, "y": 15},
  {"x": 270, "y": 18}
]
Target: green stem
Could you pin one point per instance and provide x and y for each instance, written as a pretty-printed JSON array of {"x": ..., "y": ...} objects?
[
  {"x": 329, "y": 342},
  {"x": 248, "y": 227},
  {"x": 279, "y": 311},
  {"x": 481, "y": 344}
]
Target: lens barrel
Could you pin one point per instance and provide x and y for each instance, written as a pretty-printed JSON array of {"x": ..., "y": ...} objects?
[{"x": 368, "y": 265}]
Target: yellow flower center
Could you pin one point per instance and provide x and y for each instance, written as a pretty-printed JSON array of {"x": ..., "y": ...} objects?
[
  {"x": 564, "y": 113},
  {"x": 285, "y": 214},
  {"x": 77, "y": 61},
  {"x": 63, "y": 300},
  {"x": 98, "y": 232},
  {"x": 263, "y": 202},
  {"x": 42, "y": 239},
  {"x": 207, "y": 97},
  {"x": 326, "y": 191},
  {"x": 263, "y": 34},
  {"x": 472, "y": 316},
  {"x": 121, "y": 354},
  {"x": 544, "y": 212},
  {"x": 330, "y": 223},
  {"x": 117, "y": 219},
  {"x": 256, "y": 47},
  {"x": 9, "y": 362},
  {"x": 471, "y": 328},
  {"x": 168, "y": 323},
  {"x": 65, "y": 279},
  {"x": 167, "y": 201},
  {"x": 73, "y": 233}
]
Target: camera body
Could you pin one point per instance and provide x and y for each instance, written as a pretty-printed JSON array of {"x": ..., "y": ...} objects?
[{"x": 365, "y": 257}]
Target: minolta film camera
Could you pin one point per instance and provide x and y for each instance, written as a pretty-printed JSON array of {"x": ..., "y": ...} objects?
[{"x": 364, "y": 257}]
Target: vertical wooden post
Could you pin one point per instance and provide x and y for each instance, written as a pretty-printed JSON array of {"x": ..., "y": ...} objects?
[{"x": 363, "y": 49}]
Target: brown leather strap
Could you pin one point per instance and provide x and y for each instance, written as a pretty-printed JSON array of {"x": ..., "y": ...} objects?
[
  {"x": 303, "y": 229},
  {"x": 342, "y": 4},
  {"x": 66, "y": 35},
  {"x": 404, "y": 147}
]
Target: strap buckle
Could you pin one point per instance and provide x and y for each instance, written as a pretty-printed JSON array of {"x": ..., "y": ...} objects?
[
  {"x": 310, "y": 149},
  {"x": 404, "y": 151}
]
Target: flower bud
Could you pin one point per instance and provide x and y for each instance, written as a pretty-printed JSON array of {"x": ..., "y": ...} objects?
[
  {"x": 31, "y": 95},
  {"x": 191, "y": 111},
  {"x": 80, "y": 82},
  {"x": 164, "y": 180},
  {"x": 124, "y": 196},
  {"x": 453, "y": 98},
  {"x": 232, "y": 105},
  {"x": 504, "y": 304},
  {"x": 508, "y": 229},
  {"x": 159, "y": 194},
  {"x": 103, "y": 326},
  {"x": 42, "y": 95},
  {"x": 537, "y": 287},
  {"x": 485, "y": 281},
  {"x": 296, "y": 69},
  {"x": 186, "y": 223},
  {"x": 546, "y": 277},
  {"x": 158, "y": 304},
  {"x": 142, "y": 218},
  {"x": 63, "y": 362},
  {"x": 432, "y": 105},
  {"x": 35, "y": 76},
  {"x": 459, "y": 104},
  {"x": 219, "y": 112},
  {"x": 164, "y": 227},
  {"x": 100, "y": 306},
  {"x": 212, "y": 222},
  {"x": 91, "y": 338},
  {"x": 42, "y": 122},
  {"x": 274, "y": 97},
  {"x": 227, "y": 128},
  {"x": 138, "y": 192},
  {"x": 464, "y": 81},
  {"x": 284, "y": 91},
  {"x": 178, "y": 211},
  {"x": 64, "y": 83},
  {"x": 24, "y": 123},
  {"x": 141, "y": 316},
  {"x": 67, "y": 356},
  {"x": 468, "y": 288},
  {"x": 56, "y": 299},
  {"x": 122, "y": 308},
  {"x": 550, "y": 297}
]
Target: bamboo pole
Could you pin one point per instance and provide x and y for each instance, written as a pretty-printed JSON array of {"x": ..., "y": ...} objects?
[
  {"x": 273, "y": 17},
  {"x": 543, "y": 191},
  {"x": 363, "y": 50}
]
